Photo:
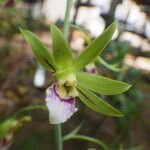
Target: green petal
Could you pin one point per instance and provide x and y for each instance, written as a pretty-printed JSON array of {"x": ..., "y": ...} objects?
[
  {"x": 40, "y": 51},
  {"x": 61, "y": 51},
  {"x": 95, "y": 47},
  {"x": 96, "y": 103},
  {"x": 101, "y": 84}
]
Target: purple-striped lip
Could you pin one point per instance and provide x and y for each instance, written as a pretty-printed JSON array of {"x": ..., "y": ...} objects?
[{"x": 60, "y": 110}]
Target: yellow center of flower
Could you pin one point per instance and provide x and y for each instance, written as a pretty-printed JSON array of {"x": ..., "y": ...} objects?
[{"x": 66, "y": 87}]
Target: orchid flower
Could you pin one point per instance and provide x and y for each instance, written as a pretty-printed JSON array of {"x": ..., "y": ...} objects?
[{"x": 71, "y": 81}]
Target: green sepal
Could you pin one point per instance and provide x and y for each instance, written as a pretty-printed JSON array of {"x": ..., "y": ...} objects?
[
  {"x": 96, "y": 103},
  {"x": 40, "y": 51},
  {"x": 100, "y": 84},
  {"x": 61, "y": 51},
  {"x": 95, "y": 47}
]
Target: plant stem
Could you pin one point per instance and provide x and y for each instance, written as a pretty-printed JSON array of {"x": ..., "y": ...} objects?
[
  {"x": 58, "y": 134},
  {"x": 58, "y": 137},
  {"x": 66, "y": 20}
]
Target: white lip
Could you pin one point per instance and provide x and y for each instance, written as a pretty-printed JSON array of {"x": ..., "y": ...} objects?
[{"x": 60, "y": 110}]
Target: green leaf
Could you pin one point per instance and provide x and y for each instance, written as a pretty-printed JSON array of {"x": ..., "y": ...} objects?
[
  {"x": 101, "y": 84},
  {"x": 137, "y": 148},
  {"x": 61, "y": 51},
  {"x": 86, "y": 138},
  {"x": 95, "y": 47},
  {"x": 75, "y": 131},
  {"x": 40, "y": 51},
  {"x": 96, "y": 103}
]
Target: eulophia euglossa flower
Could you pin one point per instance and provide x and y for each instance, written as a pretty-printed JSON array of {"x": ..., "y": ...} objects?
[
  {"x": 60, "y": 109},
  {"x": 71, "y": 81},
  {"x": 60, "y": 100}
]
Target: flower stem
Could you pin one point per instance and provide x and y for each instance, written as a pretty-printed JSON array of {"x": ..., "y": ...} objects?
[
  {"x": 58, "y": 137},
  {"x": 58, "y": 134},
  {"x": 66, "y": 20}
]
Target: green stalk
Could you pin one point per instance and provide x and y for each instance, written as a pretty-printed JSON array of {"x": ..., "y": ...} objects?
[
  {"x": 66, "y": 20},
  {"x": 58, "y": 137},
  {"x": 57, "y": 128}
]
